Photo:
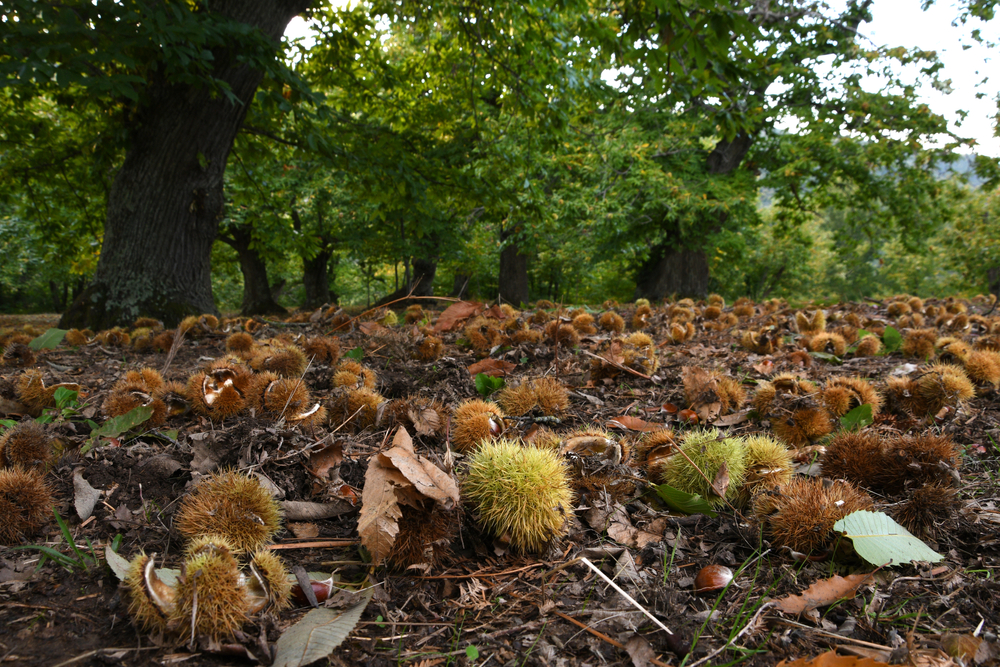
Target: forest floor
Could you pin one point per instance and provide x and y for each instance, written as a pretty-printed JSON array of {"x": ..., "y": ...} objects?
[{"x": 479, "y": 602}]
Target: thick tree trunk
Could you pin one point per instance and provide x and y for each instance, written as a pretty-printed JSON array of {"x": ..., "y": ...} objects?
[
  {"x": 316, "y": 278},
  {"x": 679, "y": 266},
  {"x": 683, "y": 271},
  {"x": 258, "y": 296},
  {"x": 460, "y": 285},
  {"x": 165, "y": 203},
  {"x": 513, "y": 270}
]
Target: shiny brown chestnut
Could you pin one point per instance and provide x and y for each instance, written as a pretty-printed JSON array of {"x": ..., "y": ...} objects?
[{"x": 712, "y": 578}]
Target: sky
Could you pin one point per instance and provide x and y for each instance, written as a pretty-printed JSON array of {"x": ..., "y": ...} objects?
[{"x": 903, "y": 23}]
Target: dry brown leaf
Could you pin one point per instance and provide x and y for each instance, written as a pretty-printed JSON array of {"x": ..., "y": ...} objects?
[
  {"x": 700, "y": 390},
  {"x": 721, "y": 482},
  {"x": 426, "y": 477},
  {"x": 372, "y": 328},
  {"x": 301, "y": 530},
  {"x": 324, "y": 460},
  {"x": 633, "y": 423},
  {"x": 426, "y": 421},
  {"x": 765, "y": 367},
  {"x": 454, "y": 314},
  {"x": 378, "y": 523},
  {"x": 639, "y": 649},
  {"x": 831, "y": 659},
  {"x": 492, "y": 367},
  {"x": 822, "y": 593},
  {"x": 495, "y": 312},
  {"x": 733, "y": 419}
]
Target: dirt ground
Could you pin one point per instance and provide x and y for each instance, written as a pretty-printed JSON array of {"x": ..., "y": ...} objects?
[{"x": 479, "y": 603}]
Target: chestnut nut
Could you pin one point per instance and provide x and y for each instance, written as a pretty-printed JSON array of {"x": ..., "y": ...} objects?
[{"x": 712, "y": 578}]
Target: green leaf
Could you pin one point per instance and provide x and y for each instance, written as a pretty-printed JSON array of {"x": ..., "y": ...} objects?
[
  {"x": 65, "y": 397},
  {"x": 357, "y": 354},
  {"x": 689, "y": 503},
  {"x": 892, "y": 339},
  {"x": 471, "y": 652},
  {"x": 826, "y": 356},
  {"x": 48, "y": 340},
  {"x": 318, "y": 634},
  {"x": 858, "y": 418},
  {"x": 115, "y": 426},
  {"x": 487, "y": 384},
  {"x": 881, "y": 541}
]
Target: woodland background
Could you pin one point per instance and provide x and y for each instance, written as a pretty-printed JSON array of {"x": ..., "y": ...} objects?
[{"x": 475, "y": 149}]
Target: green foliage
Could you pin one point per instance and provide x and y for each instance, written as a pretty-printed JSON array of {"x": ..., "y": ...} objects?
[
  {"x": 881, "y": 541},
  {"x": 688, "y": 503},
  {"x": 77, "y": 560},
  {"x": 114, "y": 427},
  {"x": 857, "y": 418},
  {"x": 488, "y": 385},
  {"x": 892, "y": 340},
  {"x": 48, "y": 340}
]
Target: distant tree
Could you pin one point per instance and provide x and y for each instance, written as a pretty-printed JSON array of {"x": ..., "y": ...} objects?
[{"x": 177, "y": 77}]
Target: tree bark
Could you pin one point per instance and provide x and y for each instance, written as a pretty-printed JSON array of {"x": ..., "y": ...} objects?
[
  {"x": 421, "y": 285},
  {"x": 165, "y": 203},
  {"x": 513, "y": 269},
  {"x": 316, "y": 278},
  {"x": 678, "y": 265},
  {"x": 258, "y": 296}
]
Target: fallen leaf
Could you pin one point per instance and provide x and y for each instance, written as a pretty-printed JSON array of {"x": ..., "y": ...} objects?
[
  {"x": 639, "y": 649},
  {"x": 302, "y": 530},
  {"x": 297, "y": 510},
  {"x": 84, "y": 496},
  {"x": 454, "y": 314},
  {"x": 378, "y": 523},
  {"x": 495, "y": 312},
  {"x": 426, "y": 421},
  {"x": 831, "y": 659},
  {"x": 721, "y": 482},
  {"x": 492, "y": 367},
  {"x": 372, "y": 328},
  {"x": 318, "y": 634},
  {"x": 428, "y": 479},
  {"x": 733, "y": 419},
  {"x": 326, "y": 459},
  {"x": 633, "y": 423},
  {"x": 765, "y": 367},
  {"x": 822, "y": 593}
]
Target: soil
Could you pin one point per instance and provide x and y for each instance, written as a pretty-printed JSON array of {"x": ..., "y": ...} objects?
[{"x": 481, "y": 603}]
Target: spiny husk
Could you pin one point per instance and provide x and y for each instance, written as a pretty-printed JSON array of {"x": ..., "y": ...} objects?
[
  {"x": 267, "y": 582},
  {"x": 151, "y": 601},
  {"x": 519, "y": 493},
  {"x": 233, "y": 506},
  {"x": 26, "y": 444},
  {"x": 25, "y": 504},
  {"x": 800, "y": 515},
  {"x": 209, "y": 594},
  {"x": 474, "y": 421},
  {"x": 768, "y": 466},
  {"x": 708, "y": 451}
]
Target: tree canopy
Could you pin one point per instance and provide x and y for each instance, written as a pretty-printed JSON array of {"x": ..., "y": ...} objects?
[{"x": 526, "y": 150}]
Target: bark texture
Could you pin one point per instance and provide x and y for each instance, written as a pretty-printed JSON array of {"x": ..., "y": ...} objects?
[
  {"x": 166, "y": 201},
  {"x": 679, "y": 265},
  {"x": 513, "y": 270},
  {"x": 258, "y": 297}
]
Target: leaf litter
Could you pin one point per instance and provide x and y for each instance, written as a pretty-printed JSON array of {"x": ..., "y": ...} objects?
[{"x": 348, "y": 496}]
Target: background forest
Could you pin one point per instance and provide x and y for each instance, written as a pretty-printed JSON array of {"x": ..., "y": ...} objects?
[{"x": 566, "y": 151}]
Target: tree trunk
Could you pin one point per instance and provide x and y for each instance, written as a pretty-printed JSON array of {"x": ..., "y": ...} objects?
[
  {"x": 460, "y": 285},
  {"x": 258, "y": 296},
  {"x": 165, "y": 203},
  {"x": 421, "y": 285},
  {"x": 513, "y": 270},
  {"x": 677, "y": 265},
  {"x": 316, "y": 278},
  {"x": 670, "y": 270}
]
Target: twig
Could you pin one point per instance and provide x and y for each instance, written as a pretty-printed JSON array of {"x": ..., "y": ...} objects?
[
  {"x": 174, "y": 346},
  {"x": 99, "y": 651},
  {"x": 318, "y": 544},
  {"x": 624, "y": 594},
  {"x": 601, "y": 635},
  {"x": 618, "y": 365},
  {"x": 753, "y": 619}
]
